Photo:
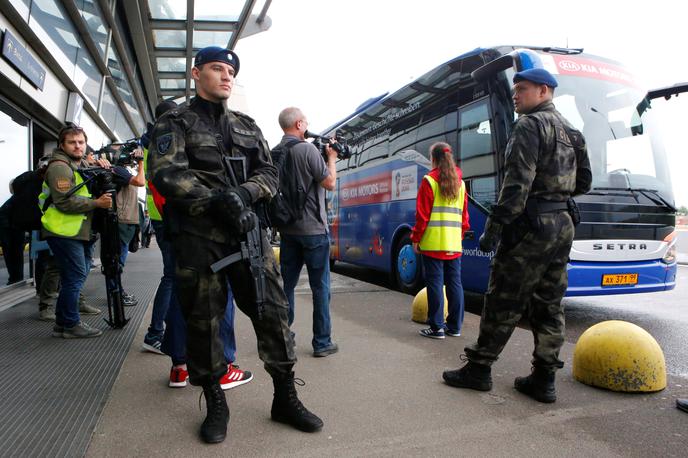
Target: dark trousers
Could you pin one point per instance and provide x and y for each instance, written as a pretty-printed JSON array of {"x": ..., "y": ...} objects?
[
  {"x": 13, "y": 242},
  {"x": 203, "y": 296},
  {"x": 166, "y": 309},
  {"x": 529, "y": 277}
]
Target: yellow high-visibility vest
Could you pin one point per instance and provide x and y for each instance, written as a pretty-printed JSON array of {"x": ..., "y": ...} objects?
[
  {"x": 443, "y": 232},
  {"x": 153, "y": 212},
  {"x": 64, "y": 224}
]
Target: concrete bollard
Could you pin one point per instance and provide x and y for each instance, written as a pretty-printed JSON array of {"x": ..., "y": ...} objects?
[
  {"x": 419, "y": 311},
  {"x": 619, "y": 356}
]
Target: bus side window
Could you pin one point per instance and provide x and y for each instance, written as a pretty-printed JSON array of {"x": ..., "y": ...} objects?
[
  {"x": 438, "y": 125},
  {"x": 476, "y": 151},
  {"x": 475, "y": 135},
  {"x": 375, "y": 150},
  {"x": 403, "y": 134},
  {"x": 342, "y": 165}
]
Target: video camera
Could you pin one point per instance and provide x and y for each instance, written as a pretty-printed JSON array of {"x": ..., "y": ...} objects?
[
  {"x": 338, "y": 144},
  {"x": 98, "y": 180},
  {"x": 119, "y": 153}
]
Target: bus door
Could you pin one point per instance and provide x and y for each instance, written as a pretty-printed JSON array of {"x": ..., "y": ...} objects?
[{"x": 476, "y": 158}]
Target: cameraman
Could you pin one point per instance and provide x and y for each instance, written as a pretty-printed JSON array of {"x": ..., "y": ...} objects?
[
  {"x": 128, "y": 209},
  {"x": 306, "y": 240},
  {"x": 67, "y": 228}
]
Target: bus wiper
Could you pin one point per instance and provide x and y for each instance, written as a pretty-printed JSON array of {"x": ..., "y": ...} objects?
[
  {"x": 658, "y": 199},
  {"x": 595, "y": 110},
  {"x": 651, "y": 194}
]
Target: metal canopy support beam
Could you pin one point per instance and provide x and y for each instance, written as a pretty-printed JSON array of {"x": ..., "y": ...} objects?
[
  {"x": 210, "y": 26},
  {"x": 241, "y": 23},
  {"x": 139, "y": 36},
  {"x": 189, "y": 45},
  {"x": 125, "y": 65},
  {"x": 172, "y": 75}
]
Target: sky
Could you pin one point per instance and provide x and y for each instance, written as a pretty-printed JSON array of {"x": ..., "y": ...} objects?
[{"x": 327, "y": 57}]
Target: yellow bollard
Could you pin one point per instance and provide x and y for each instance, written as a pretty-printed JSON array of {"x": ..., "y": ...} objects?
[
  {"x": 419, "y": 311},
  {"x": 619, "y": 356},
  {"x": 276, "y": 251}
]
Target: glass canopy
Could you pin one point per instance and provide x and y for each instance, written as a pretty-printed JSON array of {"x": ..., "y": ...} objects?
[{"x": 208, "y": 22}]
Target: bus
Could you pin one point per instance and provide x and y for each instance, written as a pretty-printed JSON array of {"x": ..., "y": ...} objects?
[{"x": 625, "y": 242}]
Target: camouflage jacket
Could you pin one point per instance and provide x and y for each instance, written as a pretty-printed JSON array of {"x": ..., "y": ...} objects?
[
  {"x": 542, "y": 163},
  {"x": 186, "y": 164}
]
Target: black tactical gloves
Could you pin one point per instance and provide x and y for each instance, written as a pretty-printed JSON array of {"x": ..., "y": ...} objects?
[
  {"x": 488, "y": 241},
  {"x": 233, "y": 201},
  {"x": 234, "y": 204},
  {"x": 245, "y": 222}
]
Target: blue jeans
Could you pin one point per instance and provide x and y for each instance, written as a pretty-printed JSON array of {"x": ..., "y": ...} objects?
[
  {"x": 165, "y": 293},
  {"x": 174, "y": 340},
  {"x": 439, "y": 273},
  {"x": 314, "y": 251},
  {"x": 72, "y": 259}
]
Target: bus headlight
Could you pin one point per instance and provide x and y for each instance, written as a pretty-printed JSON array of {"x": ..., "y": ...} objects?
[{"x": 670, "y": 255}]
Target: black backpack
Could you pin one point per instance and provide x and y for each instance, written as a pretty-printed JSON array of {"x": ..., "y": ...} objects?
[
  {"x": 25, "y": 212},
  {"x": 287, "y": 205}
]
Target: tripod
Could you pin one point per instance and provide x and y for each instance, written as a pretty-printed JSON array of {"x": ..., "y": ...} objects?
[{"x": 106, "y": 224}]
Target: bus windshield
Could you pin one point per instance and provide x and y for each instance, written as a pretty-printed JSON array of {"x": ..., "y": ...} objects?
[{"x": 625, "y": 147}]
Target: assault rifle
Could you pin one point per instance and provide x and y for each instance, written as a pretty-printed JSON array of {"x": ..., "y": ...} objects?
[{"x": 250, "y": 247}]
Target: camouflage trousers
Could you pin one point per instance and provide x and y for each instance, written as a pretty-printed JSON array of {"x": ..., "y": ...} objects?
[
  {"x": 203, "y": 297},
  {"x": 528, "y": 277}
]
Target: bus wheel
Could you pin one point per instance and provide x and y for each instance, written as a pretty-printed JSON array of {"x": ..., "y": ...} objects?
[{"x": 407, "y": 267}]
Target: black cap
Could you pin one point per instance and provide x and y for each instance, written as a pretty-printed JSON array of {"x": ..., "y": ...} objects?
[
  {"x": 217, "y": 54},
  {"x": 163, "y": 107}
]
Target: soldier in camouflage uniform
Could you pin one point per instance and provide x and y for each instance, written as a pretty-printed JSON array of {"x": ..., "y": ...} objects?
[
  {"x": 207, "y": 217},
  {"x": 531, "y": 226}
]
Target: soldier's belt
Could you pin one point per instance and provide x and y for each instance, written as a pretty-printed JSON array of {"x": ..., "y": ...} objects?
[{"x": 545, "y": 206}]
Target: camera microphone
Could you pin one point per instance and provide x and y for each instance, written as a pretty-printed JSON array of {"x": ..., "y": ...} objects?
[{"x": 309, "y": 134}]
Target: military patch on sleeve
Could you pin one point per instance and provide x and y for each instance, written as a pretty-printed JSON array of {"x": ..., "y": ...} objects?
[
  {"x": 63, "y": 184},
  {"x": 163, "y": 143}
]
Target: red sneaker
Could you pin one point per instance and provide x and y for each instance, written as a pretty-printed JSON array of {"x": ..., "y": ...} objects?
[
  {"x": 178, "y": 377},
  {"x": 235, "y": 377}
]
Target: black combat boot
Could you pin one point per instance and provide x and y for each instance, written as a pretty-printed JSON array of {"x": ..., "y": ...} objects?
[
  {"x": 286, "y": 407},
  {"x": 214, "y": 427},
  {"x": 539, "y": 385},
  {"x": 473, "y": 375}
]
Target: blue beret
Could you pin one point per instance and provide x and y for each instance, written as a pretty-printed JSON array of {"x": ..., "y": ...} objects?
[
  {"x": 537, "y": 76},
  {"x": 217, "y": 54}
]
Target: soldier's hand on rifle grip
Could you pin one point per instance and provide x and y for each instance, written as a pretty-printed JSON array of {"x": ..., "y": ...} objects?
[
  {"x": 245, "y": 222},
  {"x": 104, "y": 201},
  {"x": 488, "y": 241},
  {"x": 234, "y": 201}
]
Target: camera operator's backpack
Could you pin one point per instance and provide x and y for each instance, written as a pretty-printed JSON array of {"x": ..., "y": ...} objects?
[{"x": 287, "y": 205}]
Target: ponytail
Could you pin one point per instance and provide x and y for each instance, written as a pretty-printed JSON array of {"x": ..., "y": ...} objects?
[{"x": 441, "y": 155}]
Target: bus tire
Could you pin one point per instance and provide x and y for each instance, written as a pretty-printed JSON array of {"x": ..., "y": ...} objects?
[{"x": 407, "y": 266}]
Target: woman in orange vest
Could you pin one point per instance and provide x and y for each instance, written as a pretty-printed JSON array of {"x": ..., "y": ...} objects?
[{"x": 441, "y": 221}]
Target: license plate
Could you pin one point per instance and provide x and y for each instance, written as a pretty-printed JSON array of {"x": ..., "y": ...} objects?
[{"x": 619, "y": 279}]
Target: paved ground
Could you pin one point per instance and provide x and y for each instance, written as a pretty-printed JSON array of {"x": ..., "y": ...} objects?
[{"x": 382, "y": 395}]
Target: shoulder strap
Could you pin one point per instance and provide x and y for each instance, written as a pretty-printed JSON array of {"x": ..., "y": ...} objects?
[{"x": 574, "y": 135}]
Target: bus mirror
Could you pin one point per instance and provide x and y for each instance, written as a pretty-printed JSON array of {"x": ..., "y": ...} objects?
[{"x": 490, "y": 69}]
